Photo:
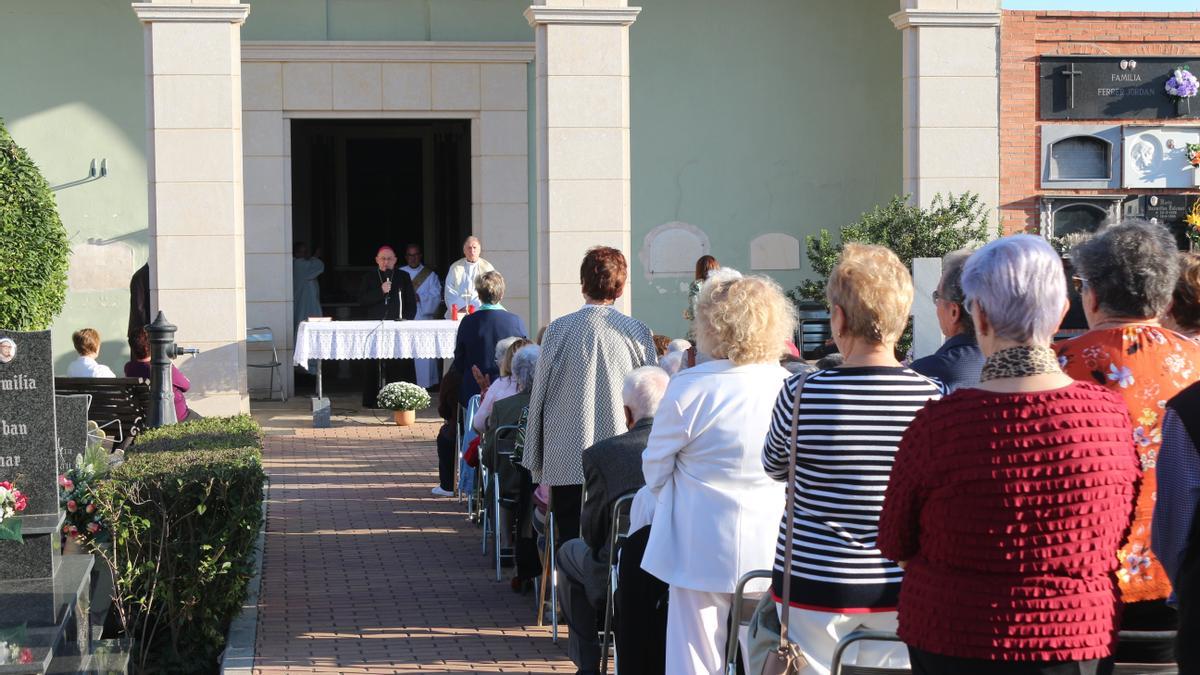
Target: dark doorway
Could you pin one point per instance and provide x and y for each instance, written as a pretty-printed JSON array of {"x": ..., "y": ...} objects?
[{"x": 359, "y": 184}]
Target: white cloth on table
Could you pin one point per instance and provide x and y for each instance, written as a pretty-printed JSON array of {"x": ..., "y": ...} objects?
[
  {"x": 429, "y": 296},
  {"x": 86, "y": 366},
  {"x": 460, "y": 284},
  {"x": 696, "y": 631},
  {"x": 704, "y": 463},
  {"x": 375, "y": 340},
  {"x": 502, "y": 388},
  {"x": 306, "y": 292},
  {"x": 818, "y": 633}
]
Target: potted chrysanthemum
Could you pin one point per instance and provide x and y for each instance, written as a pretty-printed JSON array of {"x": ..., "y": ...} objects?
[{"x": 404, "y": 399}]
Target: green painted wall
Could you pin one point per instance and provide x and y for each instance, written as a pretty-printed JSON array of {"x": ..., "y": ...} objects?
[
  {"x": 748, "y": 118},
  {"x": 72, "y": 89}
]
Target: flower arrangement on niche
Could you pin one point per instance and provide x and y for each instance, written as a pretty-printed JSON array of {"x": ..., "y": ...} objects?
[
  {"x": 1182, "y": 84},
  {"x": 1193, "y": 154},
  {"x": 12, "y": 503},
  {"x": 75, "y": 495},
  {"x": 1193, "y": 226}
]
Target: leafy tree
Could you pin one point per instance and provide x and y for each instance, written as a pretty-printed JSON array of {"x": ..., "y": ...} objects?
[
  {"x": 950, "y": 223},
  {"x": 33, "y": 243}
]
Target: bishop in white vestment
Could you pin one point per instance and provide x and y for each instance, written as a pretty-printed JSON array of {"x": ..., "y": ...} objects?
[{"x": 429, "y": 297}]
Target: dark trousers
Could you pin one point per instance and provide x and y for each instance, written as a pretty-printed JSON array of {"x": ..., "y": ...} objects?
[
  {"x": 641, "y": 618},
  {"x": 379, "y": 372},
  {"x": 567, "y": 502},
  {"x": 928, "y": 663},
  {"x": 1187, "y": 645},
  {"x": 1149, "y": 615},
  {"x": 585, "y": 582},
  {"x": 447, "y": 454}
]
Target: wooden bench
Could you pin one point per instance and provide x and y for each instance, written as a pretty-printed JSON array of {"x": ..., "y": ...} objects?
[{"x": 120, "y": 405}]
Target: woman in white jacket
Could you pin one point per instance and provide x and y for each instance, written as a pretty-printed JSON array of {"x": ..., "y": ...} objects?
[{"x": 717, "y": 511}]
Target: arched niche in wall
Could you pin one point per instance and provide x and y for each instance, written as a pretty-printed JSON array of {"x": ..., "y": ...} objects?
[
  {"x": 775, "y": 251},
  {"x": 1080, "y": 158},
  {"x": 671, "y": 249}
]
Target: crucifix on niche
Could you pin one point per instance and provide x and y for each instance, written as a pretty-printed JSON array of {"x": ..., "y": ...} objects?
[{"x": 1071, "y": 73}]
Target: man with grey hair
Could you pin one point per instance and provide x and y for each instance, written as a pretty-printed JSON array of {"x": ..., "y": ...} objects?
[
  {"x": 612, "y": 468},
  {"x": 958, "y": 362},
  {"x": 460, "y": 279}
]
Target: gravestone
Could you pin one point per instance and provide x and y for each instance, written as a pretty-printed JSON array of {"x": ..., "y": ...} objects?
[
  {"x": 1170, "y": 211},
  {"x": 1156, "y": 157},
  {"x": 71, "y": 423},
  {"x": 28, "y": 452},
  {"x": 1078, "y": 87}
]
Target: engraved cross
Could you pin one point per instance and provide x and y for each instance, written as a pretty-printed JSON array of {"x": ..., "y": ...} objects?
[{"x": 1071, "y": 73}]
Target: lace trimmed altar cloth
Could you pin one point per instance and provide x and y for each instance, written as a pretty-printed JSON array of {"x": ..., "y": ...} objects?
[{"x": 375, "y": 340}]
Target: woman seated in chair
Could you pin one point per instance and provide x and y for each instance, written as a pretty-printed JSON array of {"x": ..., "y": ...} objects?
[
  {"x": 516, "y": 484},
  {"x": 503, "y": 387},
  {"x": 139, "y": 366}
]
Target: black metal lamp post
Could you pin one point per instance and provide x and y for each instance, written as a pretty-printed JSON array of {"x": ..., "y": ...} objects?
[{"x": 162, "y": 350}]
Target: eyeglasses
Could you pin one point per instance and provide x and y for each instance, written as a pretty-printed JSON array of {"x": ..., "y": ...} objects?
[
  {"x": 937, "y": 295},
  {"x": 1079, "y": 283}
]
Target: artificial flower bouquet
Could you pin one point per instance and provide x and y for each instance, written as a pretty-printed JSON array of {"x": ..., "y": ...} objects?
[
  {"x": 75, "y": 495},
  {"x": 12, "y": 503}
]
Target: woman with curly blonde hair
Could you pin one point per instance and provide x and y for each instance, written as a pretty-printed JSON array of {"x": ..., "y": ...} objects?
[
  {"x": 716, "y": 509},
  {"x": 851, "y": 421}
]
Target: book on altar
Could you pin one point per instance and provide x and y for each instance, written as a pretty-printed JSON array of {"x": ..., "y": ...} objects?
[{"x": 318, "y": 319}]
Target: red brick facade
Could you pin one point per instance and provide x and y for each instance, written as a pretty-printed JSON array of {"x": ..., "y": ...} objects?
[{"x": 1024, "y": 36}]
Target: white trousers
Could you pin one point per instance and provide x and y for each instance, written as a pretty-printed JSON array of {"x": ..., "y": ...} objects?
[
  {"x": 696, "y": 631},
  {"x": 817, "y": 634}
]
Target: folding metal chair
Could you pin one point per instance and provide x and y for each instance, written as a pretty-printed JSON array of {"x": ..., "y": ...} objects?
[
  {"x": 505, "y": 440},
  {"x": 261, "y": 335},
  {"x": 742, "y": 606},
  {"x": 617, "y": 536},
  {"x": 549, "y": 578},
  {"x": 467, "y": 480},
  {"x": 836, "y": 668}
]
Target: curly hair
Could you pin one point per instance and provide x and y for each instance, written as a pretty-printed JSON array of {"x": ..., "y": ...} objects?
[
  {"x": 603, "y": 273},
  {"x": 745, "y": 320},
  {"x": 874, "y": 290},
  {"x": 1131, "y": 268},
  {"x": 1185, "y": 302}
]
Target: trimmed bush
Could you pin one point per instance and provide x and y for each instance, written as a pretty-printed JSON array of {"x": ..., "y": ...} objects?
[
  {"x": 33, "y": 243},
  {"x": 184, "y": 522},
  {"x": 209, "y": 433}
]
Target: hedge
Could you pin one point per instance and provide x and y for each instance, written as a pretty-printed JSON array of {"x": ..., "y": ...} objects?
[
  {"x": 183, "y": 522},
  {"x": 33, "y": 243}
]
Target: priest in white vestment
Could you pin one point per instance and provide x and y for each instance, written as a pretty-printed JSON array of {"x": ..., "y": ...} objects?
[
  {"x": 306, "y": 291},
  {"x": 460, "y": 280},
  {"x": 429, "y": 297}
]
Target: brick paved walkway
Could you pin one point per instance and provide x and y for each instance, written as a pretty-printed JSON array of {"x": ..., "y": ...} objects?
[{"x": 366, "y": 572}]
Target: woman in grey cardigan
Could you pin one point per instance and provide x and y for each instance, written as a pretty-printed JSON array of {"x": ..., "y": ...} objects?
[{"x": 576, "y": 398}]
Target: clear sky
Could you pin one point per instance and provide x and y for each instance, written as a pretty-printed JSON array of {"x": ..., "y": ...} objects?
[{"x": 1107, "y": 5}]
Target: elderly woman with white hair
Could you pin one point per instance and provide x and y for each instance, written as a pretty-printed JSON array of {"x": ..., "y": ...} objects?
[
  {"x": 508, "y": 412},
  {"x": 716, "y": 509},
  {"x": 1007, "y": 500},
  {"x": 504, "y": 386}
]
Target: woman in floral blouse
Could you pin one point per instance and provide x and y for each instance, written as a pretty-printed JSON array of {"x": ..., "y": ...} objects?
[{"x": 1125, "y": 276}]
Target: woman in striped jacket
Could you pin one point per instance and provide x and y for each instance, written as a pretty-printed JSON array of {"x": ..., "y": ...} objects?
[{"x": 851, "y": 421}]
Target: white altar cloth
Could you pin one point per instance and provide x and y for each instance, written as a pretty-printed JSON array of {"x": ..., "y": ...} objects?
[{"x": 374, "y": 340}]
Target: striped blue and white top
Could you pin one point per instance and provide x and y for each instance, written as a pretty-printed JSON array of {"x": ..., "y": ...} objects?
[{"x": 851, "y": 421}]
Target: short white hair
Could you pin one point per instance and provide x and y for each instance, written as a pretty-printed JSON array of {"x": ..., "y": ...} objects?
[
  {"x": 524, "y": 365},
  {"x": 672, "y": 362},
  {"x": 502, "y": 347},
  {"x": 723, "y": 274},
  {"x": 1020, "y": 283},
  {"x": 678, "y": 345},
  {"x": 643, "y": 389}
]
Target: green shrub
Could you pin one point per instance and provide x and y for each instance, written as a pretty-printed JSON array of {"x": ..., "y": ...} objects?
[
  {"x": 183, "y": 523},
  {"x": 209, "y": 433},
  {"x": 33, "y": 243}
]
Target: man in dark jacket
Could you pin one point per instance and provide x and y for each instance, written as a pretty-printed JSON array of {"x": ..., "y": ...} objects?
[
  {"x": 612, "y": 468},
  {"x": 478, "y": 333},
  {"x": 386, "y": 294},
  {"x": 958, "y": 362}
]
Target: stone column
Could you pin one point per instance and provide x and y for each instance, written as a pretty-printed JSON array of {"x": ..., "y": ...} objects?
[
  {"x": 582, "y": 142},
  {"x": 951, "y": 98},
  {"x": 194, "y": 158}
]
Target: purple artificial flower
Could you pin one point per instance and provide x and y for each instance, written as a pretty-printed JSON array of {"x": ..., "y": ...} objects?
[{"x": 1183, "y": 84}]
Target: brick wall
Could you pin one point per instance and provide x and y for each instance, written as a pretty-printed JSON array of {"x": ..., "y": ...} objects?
[{"x": 1026, "y": 35}]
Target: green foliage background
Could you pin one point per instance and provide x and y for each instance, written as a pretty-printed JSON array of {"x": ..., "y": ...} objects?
[
  {"x": 949, "y": 224},
  {"x": 33, "y": 244}
]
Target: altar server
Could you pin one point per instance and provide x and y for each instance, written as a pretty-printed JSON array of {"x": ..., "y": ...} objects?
[
  {"x": 429, "y": 297},
  {"x": 460, "y": 280},
  {"x": 306, "y": 291},
  {"x": 386, "y": 294}
]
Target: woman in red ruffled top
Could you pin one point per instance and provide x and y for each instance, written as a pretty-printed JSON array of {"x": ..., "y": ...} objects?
[{"x": 1007, "y": 501}]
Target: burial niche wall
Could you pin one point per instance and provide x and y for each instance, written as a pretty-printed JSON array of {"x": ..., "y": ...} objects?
[{"x": 1079, "y": 156}]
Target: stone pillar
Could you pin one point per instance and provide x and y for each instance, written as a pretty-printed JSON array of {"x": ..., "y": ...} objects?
[
  {"x": 951, "y": 86},
  {"x": 194, "y": 159},
  {"x": 582, "y": 142}
]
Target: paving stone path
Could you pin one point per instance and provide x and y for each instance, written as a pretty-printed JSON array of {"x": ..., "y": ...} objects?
[{"x": 365, "y": 571}]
